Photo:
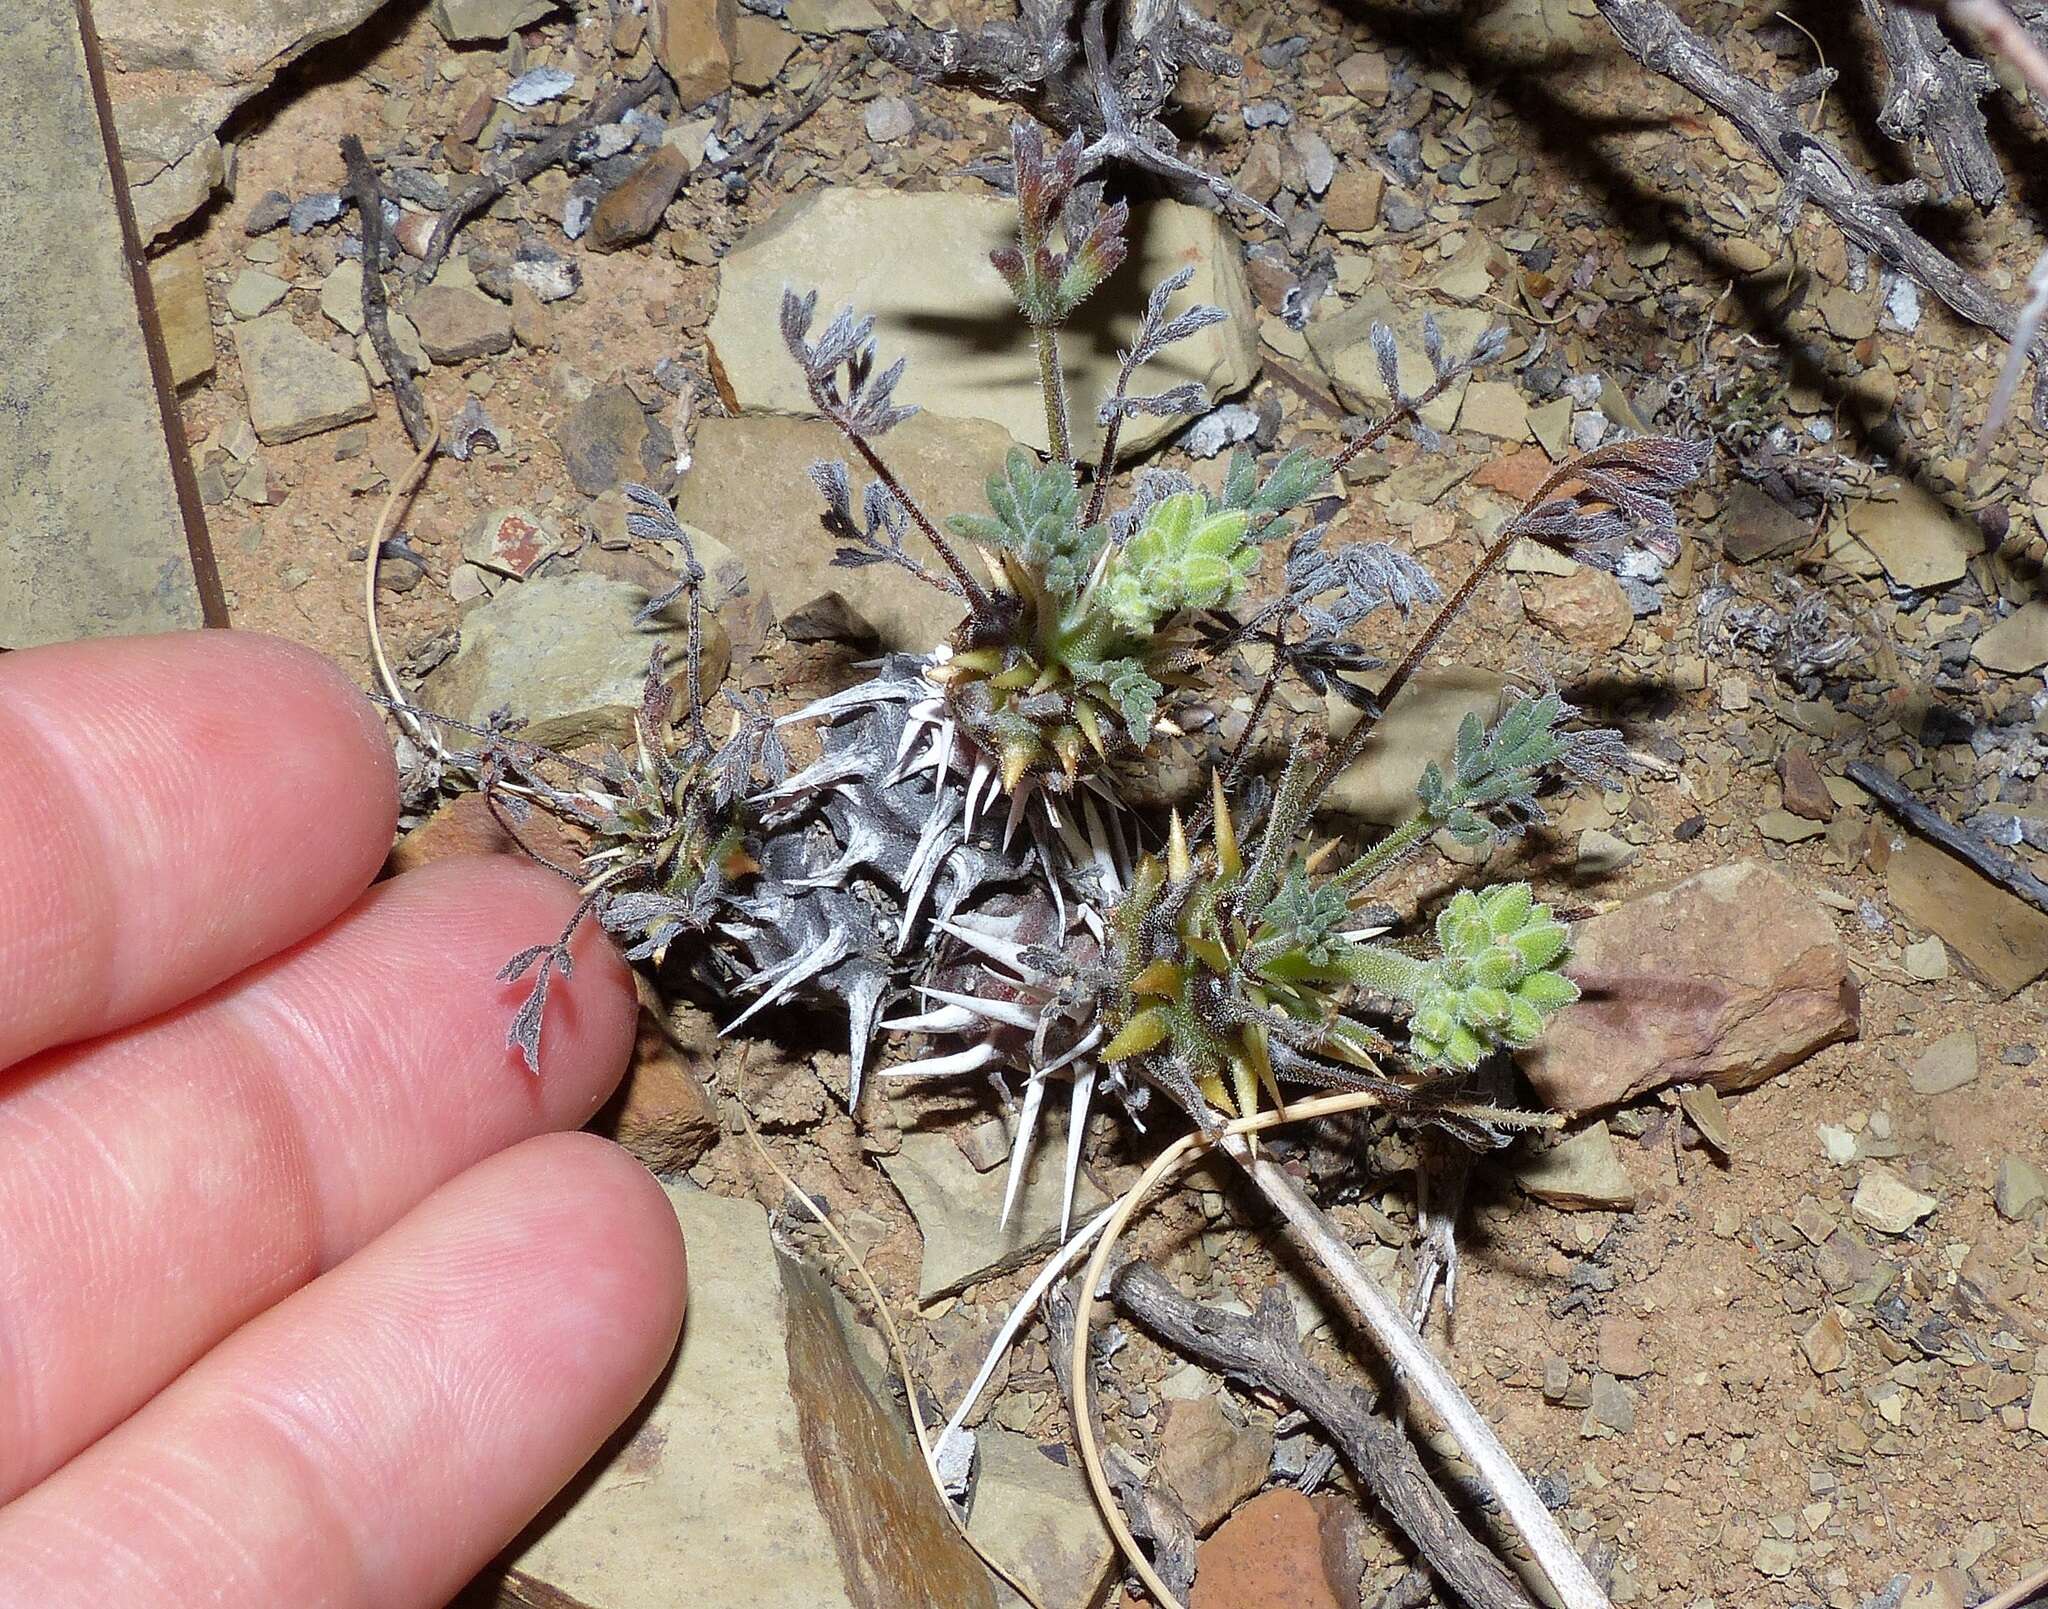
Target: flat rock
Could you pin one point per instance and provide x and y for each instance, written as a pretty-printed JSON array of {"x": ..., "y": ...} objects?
[
  {"x": 2018, "y": 644},
  {"x": 747, "y": 487},
  {"x": 1422, "y": 725},
  {"x": 1755, "y": 526},
  {"x": 178, "y": 282},
  {"x": 833, "y": 16},
  {"x": 662, "y": 1114},
  {"x": 1211, "y": 1463},
  {"x": 1887, "y": 1203},
  {"x": 1727, "y": 978},
  {"x": 2019, "y": 1188},
  {"x": 631, "y": 210},
  {"x": 694, "y": 40},
  {"x": 456, "y": 324},
  {"x": 254, "y": 293},
  {"x": 958, "y": 1209},
  {"x": 92, "y": 541},
  {"x": 1949, "y": 1063},
  {"x": 466, "y": 21},
  {"x": 607, "y": 440},
  {"x": 1352, "y": 202},
  {"x": 2002, "y": 938},
  {"x": 1269, "y": 1556},
  {"x": 1495, "y": 408},
  {"x": 1581, "y": 1172},
  {"x": 1036, "y": 1518},
  {"x": 922, "y": 270},
  {"x": 764, "y": 1472},
  {"x": 296, "y": 386},
  {"x": 562, "y": 652},
  {"x": 227, "y": 54},
  {"x": 1920, "y": 541}
]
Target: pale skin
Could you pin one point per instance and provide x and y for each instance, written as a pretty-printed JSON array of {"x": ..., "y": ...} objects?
[{"x": 306, "y": 1295}]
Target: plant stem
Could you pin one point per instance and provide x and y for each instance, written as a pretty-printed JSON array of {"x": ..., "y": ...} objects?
[
  {"x": 970, "y": 589},
  {"x": 1376, "y": 861},
  {"x": 1052, "y": 382},
  {"x": 1346, "y": 753},
  {"x": 1405, "y": 1349}
]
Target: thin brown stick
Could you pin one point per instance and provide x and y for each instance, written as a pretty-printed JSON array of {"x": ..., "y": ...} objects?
[
  {"x": 1929, "y": 823},
  {"x": 2018, "y": 1597},
  {"x": 535, "y": 159},
  {"x": 1262, "y": 1352},
  {"x": 368, "y": 197}
]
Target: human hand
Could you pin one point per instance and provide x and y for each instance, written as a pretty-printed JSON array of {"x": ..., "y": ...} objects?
[{"x": 295, "y": 1307}]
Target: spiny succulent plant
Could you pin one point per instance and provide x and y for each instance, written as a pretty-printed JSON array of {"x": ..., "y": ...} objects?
[{"x": 1089, "y": 618}]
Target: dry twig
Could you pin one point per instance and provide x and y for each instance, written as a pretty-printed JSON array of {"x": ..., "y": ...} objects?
[
  {"x": 367, "y": 195},
  {"x": 1262, "y": 1352},
  {"x": 1881, "y": 785}
]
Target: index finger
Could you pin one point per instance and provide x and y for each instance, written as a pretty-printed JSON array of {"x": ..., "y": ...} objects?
[{"x": 173, "y": 809}]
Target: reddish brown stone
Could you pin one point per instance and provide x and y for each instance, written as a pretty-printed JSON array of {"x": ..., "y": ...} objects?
[
  {"x": 464, "y": 825},
  {"x": 1806, "y": 793},
  {"x": 1726, "y": 979},
  {"x": 1268, "y": 1555},
  {"x": 662, "y": 1113}
]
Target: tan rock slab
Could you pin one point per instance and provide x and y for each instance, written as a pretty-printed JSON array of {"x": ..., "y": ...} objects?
[
  {"x": 747, "y": 487},
  {"x": 1421, "y": 726},
  {"x": 179, "y": 280},
  {"x": 1582, "y": 1172},
  {"x": 1921, "y": 542},
  {"x": 921, "y": 269},
  {"x": 296, "y": 386},
  {"x": 92, "y": 538},
  {"x": 2002, "y": 938},
  {"x": 2018, "y": 644},
  {"x": 694, "y": 42}
]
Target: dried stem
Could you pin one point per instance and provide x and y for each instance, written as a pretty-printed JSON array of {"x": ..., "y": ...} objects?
[
  {"x": 1811, "y": 169},
  {"x": 1574, "y": 1585},
  {"x": 1262, "y": 1352},
  {"x": 368, "y": 197},
  {"x": 973, "y": 591},
  {"x": 1406, "y": 1350}
]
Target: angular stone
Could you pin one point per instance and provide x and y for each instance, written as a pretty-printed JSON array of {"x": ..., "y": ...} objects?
[
  {"x": 694, "y": 41},
  {"x": 1420, "y": 726},
  {"x": 631, "y": 210},
  {"x": 464, "y": 21},
  {"x": 465, "y": 825},
  {"x": 1352, "y": 203},
  {"x": 509, "y": 541},
  {"x": 747, "y": 487},
  {"x": 341, "y": 296},
  {"x": 456, "y": 324},
  {"x": 1806, "y": 790},
  {"x": 607, "y": 440},
  {"x": 958, "y": 1210},
  {"x": 296, "y": 386},
  {"x": 92, "y": 540},
  {"x": 2018, "y": 644},
  {"x": 226, "y": 54},
  {"x": 1755, "y": 525},
  {"x": 563, "y": 653},
  {"x": 1727, "y": 978},
  {"x": 1035, "y": 1517},
  {"x": 833, "y": 16},
  {"x": 1497, "y": 409},
  {"x": 763, "y": 1472},
  {"x": 761, "y": 49},
  {"x": 2019, "y": 1188},
  {"x": 1211, "y": 1463},
  {"x": 1887, "y": 1203},
  {"x": 918, "y": 262},
  {"x": 178, "y": 281},
  {"x": 1949, "y": 1063},
  {"x": 1269, "y": 1556},
  {"x": 254, "y": 293},
  {"x": 2002, "y": 938},
  {"x": 1581, "y": 1172},
  {"x": 1825, "y": 1344},
  {"x": 1586, "y": 608},
  {"x": 1919, "y": 540}
]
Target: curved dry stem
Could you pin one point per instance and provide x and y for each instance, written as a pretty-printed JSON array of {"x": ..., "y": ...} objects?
[
  {"x": 1375, "y": 1310},
  {"x": 400, "y": 493}
]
